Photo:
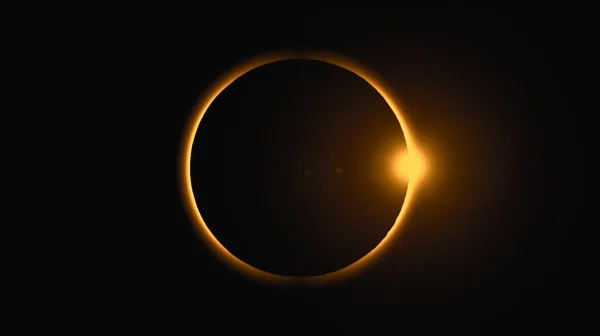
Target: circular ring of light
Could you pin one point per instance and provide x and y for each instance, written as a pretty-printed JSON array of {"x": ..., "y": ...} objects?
[{"x": 185, "y": 180}]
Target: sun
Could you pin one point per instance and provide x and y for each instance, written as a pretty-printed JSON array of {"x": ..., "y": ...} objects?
[{"x": 409, "y": 165}]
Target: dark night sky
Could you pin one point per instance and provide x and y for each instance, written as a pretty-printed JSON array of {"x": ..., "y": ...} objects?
[{"x": 485, "y": 240}]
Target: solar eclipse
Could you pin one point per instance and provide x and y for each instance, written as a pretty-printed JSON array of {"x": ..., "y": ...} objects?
[{"x": 406, "y": 166}]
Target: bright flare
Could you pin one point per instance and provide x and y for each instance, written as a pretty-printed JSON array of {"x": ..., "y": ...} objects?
[{"x": 408, "y": 166}]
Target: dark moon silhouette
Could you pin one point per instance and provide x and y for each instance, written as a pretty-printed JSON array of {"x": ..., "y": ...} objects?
[{"x": 290, "y": 168}]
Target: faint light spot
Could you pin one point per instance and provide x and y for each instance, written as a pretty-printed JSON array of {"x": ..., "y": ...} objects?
[
  {"x": 338, "y": 170},
  {"x": 308, "y": 172}
]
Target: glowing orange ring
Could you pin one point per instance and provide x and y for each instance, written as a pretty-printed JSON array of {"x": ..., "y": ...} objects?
[{"x": 186, "y": 182}]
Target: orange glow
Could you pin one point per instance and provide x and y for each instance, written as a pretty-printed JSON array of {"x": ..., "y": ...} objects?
[
  {"x": 408, "y": 167},
  {"x": 188, "y": 194}
]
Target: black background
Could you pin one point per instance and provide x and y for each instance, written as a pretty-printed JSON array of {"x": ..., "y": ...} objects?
[{"x": 485, "y": 243}]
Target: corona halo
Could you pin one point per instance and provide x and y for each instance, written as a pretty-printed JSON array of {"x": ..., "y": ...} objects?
[{"x": 185, "y": 180}]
